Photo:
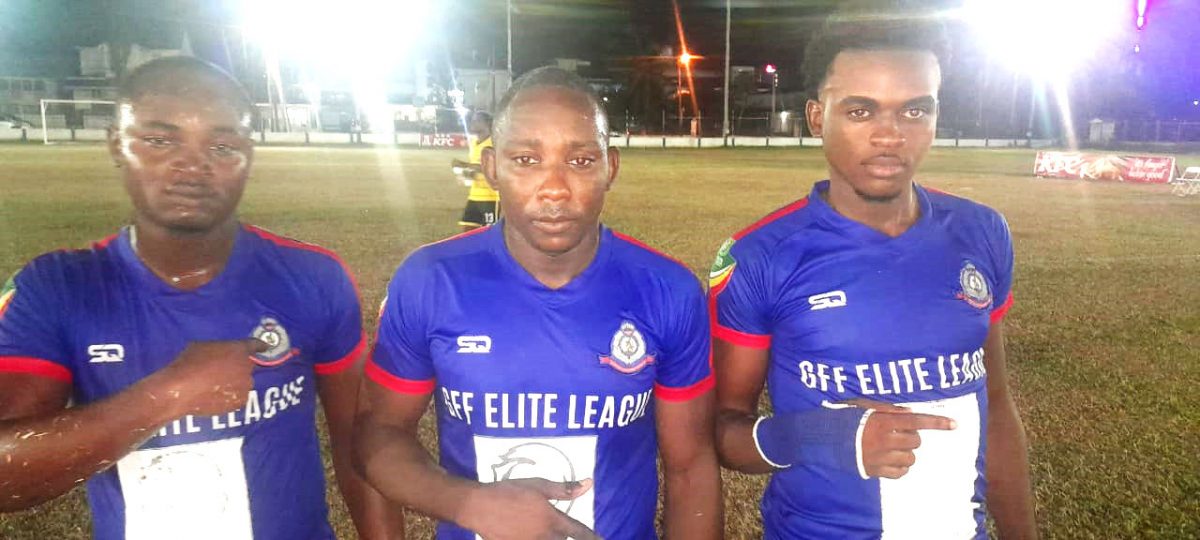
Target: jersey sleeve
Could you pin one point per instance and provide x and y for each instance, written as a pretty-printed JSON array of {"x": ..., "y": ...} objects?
[
  {"x": 344, "y": 341},
  {"x": 400, "y": 360},
  {"x": 31, "y": 330},
  {"x": 738, "y": 297},
  {"x": 685, "y": 367},
  {"x": 1002, "y": 257}
]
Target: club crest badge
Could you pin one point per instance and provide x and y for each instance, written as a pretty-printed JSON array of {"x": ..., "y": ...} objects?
[
  {"x": 973, "y": 288},
  {"x": 628, "y": 350},
  {"x": 272, "y": 333}
]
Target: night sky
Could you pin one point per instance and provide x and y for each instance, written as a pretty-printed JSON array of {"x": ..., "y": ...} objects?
[{"x": 471, "y": 33}]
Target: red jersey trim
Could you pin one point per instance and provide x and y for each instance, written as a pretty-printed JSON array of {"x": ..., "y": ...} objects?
[
  {"x": 34, "y": 366},
  {"x": 340, "y": 365},
  {"x": 725, "y": 333},
  {"x": 103, "y": 243},
  {"x": 398, "y": 384},
  {"x": 999, "y": 313},
  {"x": 771, "y": 217},
  {"x": 463, "y": 234},
  {"x": 741, "y": 339},
  {"x": 686, "y": 393},
  {"x": 643, "y": 245},
  {"x": 288, "y": 242}
]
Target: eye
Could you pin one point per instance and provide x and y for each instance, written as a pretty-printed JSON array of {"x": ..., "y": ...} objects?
[
  {"x": 582, "y": 161},
  {"x": 525, "y": 161},
  {"x": 157, "y": 141},
  {"x": 858, "y": 114},
  {"x": 916, "y": 113},
  {"x": 222, "y": 149}
]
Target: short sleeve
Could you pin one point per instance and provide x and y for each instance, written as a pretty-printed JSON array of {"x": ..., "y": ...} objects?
[
  {"x": 401, "y": 360},
  {"x": 685, "y": 364},
  {"x": 31, "y": 337},
  {"x": 1002, "y": 257},
  {"x": 738, "y": 297},
  {"x": 344, "y": 341}
]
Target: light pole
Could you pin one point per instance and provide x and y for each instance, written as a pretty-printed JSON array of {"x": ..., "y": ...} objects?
[
  {"x": 774, "y": 84},
  {"x": 508, "y": 16},
  {"x": 725, "y": 115},
  {"x": 682, "y": 67}
]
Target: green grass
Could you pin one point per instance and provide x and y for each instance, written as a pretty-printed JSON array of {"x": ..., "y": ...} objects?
[{"x": 1104, "y": 341}]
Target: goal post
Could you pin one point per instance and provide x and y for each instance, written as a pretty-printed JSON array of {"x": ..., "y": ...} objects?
[{"x": 68, "y": 115}]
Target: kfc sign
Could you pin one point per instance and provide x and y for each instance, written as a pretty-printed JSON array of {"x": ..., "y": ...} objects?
[
  {"x": 1137, "y": 169},
  {"x": 444, "y": 140}
]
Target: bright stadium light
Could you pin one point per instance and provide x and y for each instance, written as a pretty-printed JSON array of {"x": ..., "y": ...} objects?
[
  {"x": 1046, "y": 38},
  {"x": 355, "y": 43}
]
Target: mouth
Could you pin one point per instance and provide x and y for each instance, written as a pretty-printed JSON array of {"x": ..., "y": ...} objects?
[
  {"x": 885, "y": 166},
  {"x": 555, "y": 225},
  {"x": 188, "y": 197}
]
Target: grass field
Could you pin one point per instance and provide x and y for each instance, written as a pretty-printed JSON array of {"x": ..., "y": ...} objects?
[{"x": 1104, "y": 340}]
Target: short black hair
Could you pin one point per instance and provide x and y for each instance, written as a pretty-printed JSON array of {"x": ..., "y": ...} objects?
[
  {"x": 178, "y": 75},
  {"x": 548, "y": 77},
  {"x": 873, "y": 25}
]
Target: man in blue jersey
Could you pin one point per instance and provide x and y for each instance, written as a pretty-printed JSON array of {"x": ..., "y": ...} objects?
[
  {"x": 873, "y": 309},
  {"x": 192, "y": 348},
  {"x": 562, "y": 356}
]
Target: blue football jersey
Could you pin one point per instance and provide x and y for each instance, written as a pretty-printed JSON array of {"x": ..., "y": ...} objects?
[
  {"x": 101, "y": 320},
  {"x": 848, "y": 312},
  {"x": 532, "y": 382}
]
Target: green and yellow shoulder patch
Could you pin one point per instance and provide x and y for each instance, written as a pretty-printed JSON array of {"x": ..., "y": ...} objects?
[
  {"x": 723, "y": 266},
  {"x": 7, "y": 293}
]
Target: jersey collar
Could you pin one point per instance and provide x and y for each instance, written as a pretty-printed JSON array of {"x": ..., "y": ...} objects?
[{"x": 862, "y": 233}]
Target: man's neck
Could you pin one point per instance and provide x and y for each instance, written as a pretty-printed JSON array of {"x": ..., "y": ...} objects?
[
  {"x": 554, "y": 271},
  {"x": 184, "y": 260},
  {"x": 892, "y": 217}
]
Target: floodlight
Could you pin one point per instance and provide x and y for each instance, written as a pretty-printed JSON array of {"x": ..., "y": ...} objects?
[
  {"x": 356, "y": 44},
  {"x": 1045, "y": 38}
]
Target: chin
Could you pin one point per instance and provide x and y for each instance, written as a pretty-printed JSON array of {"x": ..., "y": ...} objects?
[{"x": 190, "y": 223}]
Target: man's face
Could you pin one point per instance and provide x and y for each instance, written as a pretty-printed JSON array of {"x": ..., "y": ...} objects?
[
  {"x": 185, "y": 158},
  {"x": 877, "y": 114},
  {"x": 552, "y": 168}
]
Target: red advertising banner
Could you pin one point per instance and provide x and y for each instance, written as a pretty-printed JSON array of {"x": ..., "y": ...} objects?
[
  {"x": 1138, "y": 169},
  {"x": 444, "y": 140}
]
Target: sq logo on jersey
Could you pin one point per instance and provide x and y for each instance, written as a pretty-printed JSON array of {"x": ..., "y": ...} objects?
[
  {"x": 628, "y": 350},
  {"x": 272, "y": 333},
  {"x": 559, "y": 459},
  {"x": 973, "y": 288}
]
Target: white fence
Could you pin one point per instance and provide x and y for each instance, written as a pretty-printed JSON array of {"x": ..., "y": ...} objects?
[{"x": 300, "y": 138}]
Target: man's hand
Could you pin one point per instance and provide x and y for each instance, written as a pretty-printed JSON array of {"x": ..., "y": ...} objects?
[
  {"x": 891, "y": 435},
  {"x": 520, "y": 509},
  {"x": 207, "y": 378}
]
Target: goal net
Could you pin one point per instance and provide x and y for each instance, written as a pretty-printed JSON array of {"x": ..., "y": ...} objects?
[{"x": 64, "y": 120}]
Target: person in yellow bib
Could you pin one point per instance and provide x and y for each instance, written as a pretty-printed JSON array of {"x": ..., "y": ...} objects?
[{"x": 483, "y": 202}]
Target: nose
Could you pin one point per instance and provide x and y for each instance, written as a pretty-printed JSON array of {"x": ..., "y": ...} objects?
[
  {"x": 887, "y": 133},
  {"x": 191, "y": 159},
  {"x": 555, "y": 187}
]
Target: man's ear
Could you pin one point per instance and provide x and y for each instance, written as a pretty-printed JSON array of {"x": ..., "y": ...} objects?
[
  {"x": 487, "y": 162},
  {"x": 814, "y": 113},
  {"x": 614, "y": 166}
]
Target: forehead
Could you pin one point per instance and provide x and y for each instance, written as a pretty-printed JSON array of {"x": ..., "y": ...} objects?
[
  {"x": 552, "y": 110},
  {"x": 212, "y": 110},
  {"x": 901, "y": 74}
]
